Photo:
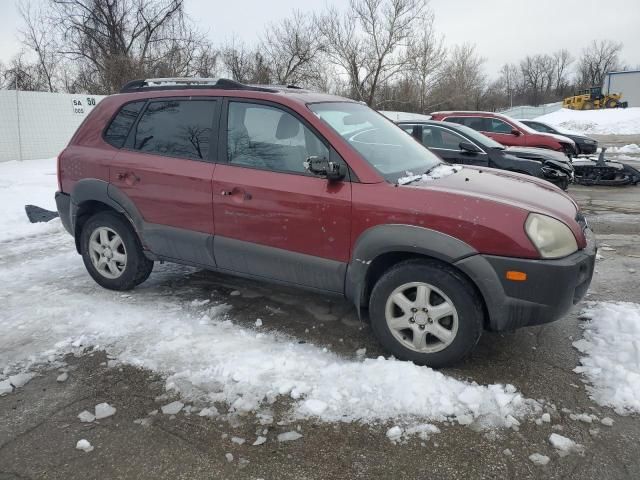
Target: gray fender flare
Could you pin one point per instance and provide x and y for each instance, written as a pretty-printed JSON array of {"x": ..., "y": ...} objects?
[
  {"x": 92, "y": 189},
  {"x": 393, "y": 238}
]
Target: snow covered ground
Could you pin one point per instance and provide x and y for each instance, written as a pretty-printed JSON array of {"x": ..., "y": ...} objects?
[
  {"x": 617, "y": 121},
  {"x": 52, "y": 307},
  {"x": 611, "y": 348}
]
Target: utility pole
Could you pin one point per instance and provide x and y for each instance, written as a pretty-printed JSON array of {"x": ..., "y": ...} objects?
[{"x": 18, "y": 118}]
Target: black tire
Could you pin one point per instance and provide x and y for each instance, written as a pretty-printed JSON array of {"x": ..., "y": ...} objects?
[
  {"x": 464, "y": 297},
  {"x": 137, "y": 267}
]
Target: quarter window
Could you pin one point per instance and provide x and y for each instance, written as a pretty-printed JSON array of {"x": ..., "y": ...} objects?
[
  {"x": 119, "y": 128},
  {"x": 265, "y": 137},
  {"x": 176, "y": 128}
]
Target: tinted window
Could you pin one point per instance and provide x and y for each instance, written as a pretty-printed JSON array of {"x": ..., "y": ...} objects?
[
  {"x": 477, "y": 123},
  {"x": 498, "y": 126},
  {"x": 176, "y": 128},
  {"x": 119, "y": 128},
  {"x": 539, "y": 127},
  {"x": 440, "y": 138},
  {"x": 266, "y": 137}
]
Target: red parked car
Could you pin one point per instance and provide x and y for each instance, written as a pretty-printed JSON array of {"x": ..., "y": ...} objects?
[
  {"x": 508, "y": 131},
  {"x": 320, "y": 192}
]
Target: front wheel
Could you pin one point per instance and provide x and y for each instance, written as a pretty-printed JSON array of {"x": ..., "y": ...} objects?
[
  {"x": 112, "y": 252},
  {"x": 426, "y": 312}
]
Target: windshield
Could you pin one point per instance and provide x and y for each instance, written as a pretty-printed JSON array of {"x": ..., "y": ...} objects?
[
  {"x": 386, "y": 147},
  {"x": 478, "y": 137},
  {"x": 521, "y": 125}
]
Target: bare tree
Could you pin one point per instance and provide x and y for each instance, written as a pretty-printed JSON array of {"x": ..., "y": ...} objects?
[
  {"x": 36, "y": 35},
  {"x": 426, "y": 56},
  {"x": 108, "y": 42},
  {"x": 22, "y": 74},
  {"x": 369, "y": 41},
  {"x": 597, "y": 59},
  {"x": 562, "y": 59},
  {"x": 462, "y": 82},
  {"x": 292, "y": 48},
  {"x": 509, "y": 80},
  {"x": 538, "y": 77}
]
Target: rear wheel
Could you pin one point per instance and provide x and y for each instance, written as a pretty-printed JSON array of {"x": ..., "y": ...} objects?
[
  {"x": 587, "y": 106},
  {"x": 112, "y": 252},
  {"x": 426, "y": 312}
]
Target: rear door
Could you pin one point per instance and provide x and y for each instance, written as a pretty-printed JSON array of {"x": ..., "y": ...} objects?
[
  {"x": 274, "y": 219},
  {"x": 165, "y": 170}
]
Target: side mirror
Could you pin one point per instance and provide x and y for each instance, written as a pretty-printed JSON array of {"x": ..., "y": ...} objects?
[
  {"x": 324, "y": 168},
  {"x": 469, "y": 147},
  {"x": 515, "y": 132}
]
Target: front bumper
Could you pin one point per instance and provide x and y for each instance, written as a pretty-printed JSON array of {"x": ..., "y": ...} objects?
[
  {"x": 551, "y": 289},
  {"x": 63, "y": 203}
]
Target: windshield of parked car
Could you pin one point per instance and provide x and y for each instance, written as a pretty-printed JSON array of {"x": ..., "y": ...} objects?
[
  {"x": 386, "y": 147},
  {"x": 522, "y": 126},
  {"x": 476, "y": 136}
]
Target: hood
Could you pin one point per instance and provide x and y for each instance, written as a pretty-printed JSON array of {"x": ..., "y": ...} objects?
[
  {"x": 534, "y": 153},
  {"x": 560, "y": 138},
  {"x": 522, "y": 191}
]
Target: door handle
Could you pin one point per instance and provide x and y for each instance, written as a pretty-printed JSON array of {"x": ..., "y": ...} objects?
[
  {"x": 236, "y": 192},
  {"x": 129, "y": 177}
]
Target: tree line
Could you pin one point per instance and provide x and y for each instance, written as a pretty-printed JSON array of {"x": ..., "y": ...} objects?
[{"x": 386, "y": 53}]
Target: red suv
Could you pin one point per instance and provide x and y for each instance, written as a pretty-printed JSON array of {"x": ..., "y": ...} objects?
[
  {"x": 317, "y": 191},
  {"x": 508, "y": 131}
]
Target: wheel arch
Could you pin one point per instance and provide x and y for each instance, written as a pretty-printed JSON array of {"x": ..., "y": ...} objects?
[
  {"x": 90, "y": 196},
  {"x": 380, "y": 248}
]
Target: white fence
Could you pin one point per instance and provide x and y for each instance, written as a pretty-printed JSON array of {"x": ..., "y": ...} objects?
[
  {"x": 39, "y": 124},
  {"x": 528, "y": 112}
]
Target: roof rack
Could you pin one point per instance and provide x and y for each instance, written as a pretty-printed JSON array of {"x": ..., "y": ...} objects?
[{"x": 182, "y": 83}]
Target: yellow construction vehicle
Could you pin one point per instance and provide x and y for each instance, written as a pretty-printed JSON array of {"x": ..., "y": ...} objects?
[{"x": 593, "y": 99}]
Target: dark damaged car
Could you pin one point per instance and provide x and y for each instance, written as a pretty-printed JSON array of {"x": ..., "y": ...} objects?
[{"x": 462, "y": 145}]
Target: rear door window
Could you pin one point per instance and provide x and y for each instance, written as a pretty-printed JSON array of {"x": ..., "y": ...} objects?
[
  {"x": 176, "y": 128},
  {"x": 477, "y": 123},
  {"x": 436, "y": 137},
  {"x": 117, "y": 132}
]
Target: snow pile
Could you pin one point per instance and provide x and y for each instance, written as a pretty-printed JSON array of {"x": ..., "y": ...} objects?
[
  {"x": 207, "y": 357},
  {"x": 104, "y": 410},
  {"x": 439, "y": 171},
  {"x": 539, "y": 459},
  {"x": 15, "y": 381},
  {"x": 51, "y": 306},
  {"x": 631, "y": 148},
  {"x": 84, "y": 445},
  {"x": 21, "y": 183},
  {"x": 616, "y": 121},
  {"x": 564, "y": 445},
  {"x": 611, "y": 361}
]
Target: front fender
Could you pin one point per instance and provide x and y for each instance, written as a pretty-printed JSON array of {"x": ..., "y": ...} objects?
[{"x": 383, "y": 239}]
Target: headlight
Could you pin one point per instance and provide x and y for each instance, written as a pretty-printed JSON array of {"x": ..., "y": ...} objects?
[
  {"x": 589, "y": 142},
  {"x": 551, "y": 237}
]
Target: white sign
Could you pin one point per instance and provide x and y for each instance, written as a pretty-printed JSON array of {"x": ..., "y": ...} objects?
[{"x": 82, "y": 105}]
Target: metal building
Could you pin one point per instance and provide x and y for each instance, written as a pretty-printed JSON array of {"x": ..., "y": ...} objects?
[{"x": 627, "y": 83}]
